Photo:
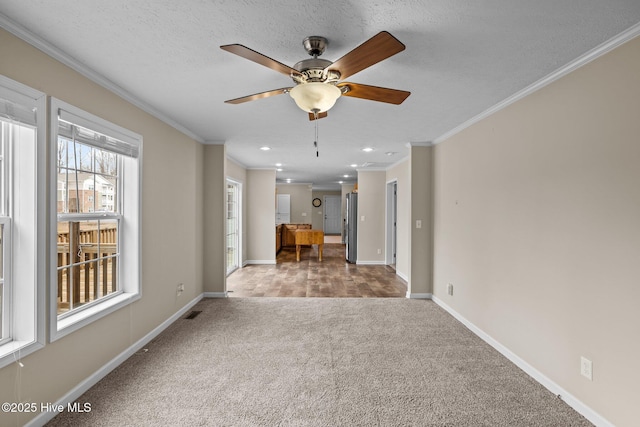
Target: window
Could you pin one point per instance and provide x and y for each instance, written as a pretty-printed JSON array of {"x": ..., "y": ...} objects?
[
  {"x": 96, "y": 246},
  {"x": 22, "y": 223}
]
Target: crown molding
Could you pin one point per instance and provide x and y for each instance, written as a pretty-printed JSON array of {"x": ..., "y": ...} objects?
[
  {"x": 420, "y": 144},
  {"x": 233, "y": 160},
  {"x": 396, "y": 163},
  {"x": 582, "y": 60},
  {"x": 372, "y": 169},
  {"x": 57, "y": 54},
  {"x": 294, "y": 183}
]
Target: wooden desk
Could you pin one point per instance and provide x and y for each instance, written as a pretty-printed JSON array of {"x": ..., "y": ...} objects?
[{"x": 309, "y": 237}]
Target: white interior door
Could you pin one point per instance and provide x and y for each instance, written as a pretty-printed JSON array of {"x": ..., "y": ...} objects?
[{"x": 332, "y": 220}]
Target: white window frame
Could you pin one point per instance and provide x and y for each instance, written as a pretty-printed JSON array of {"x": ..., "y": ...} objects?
[
  {"x": 25, "y": 256},
  {"x": 129, "y": 240}
]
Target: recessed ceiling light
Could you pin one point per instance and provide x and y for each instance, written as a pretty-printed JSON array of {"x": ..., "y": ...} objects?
[
  {"x": 367, "y": 149},
  {"x": 279, "y": 169},
  {"x": 265, "y": 148},
  {"x": 278, "y": 165},
  {"x": 354, "y": 165},
  {"x": 340, "y": 182},
  {"x": 390, "y": 153},
  {"x": 345, "y": 176},
  {"x": 288, "y": 179}
]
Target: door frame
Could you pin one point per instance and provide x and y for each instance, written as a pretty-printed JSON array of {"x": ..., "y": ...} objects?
[
  {"x": 391, "y": 235},
  {"x": 239, "y": 248}
]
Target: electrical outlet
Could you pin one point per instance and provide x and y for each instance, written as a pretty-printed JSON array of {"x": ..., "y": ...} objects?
[
  {"x": 180, "y": 289},
  {"x": 450, "y": 289},
  {"x": 586, "y": 368},
  {"x": 418, "y": 223},
  {"x": 379, "y": 251}
]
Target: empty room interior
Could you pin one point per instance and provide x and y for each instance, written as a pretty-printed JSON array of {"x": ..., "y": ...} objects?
[{"x": 483, "y": 158}]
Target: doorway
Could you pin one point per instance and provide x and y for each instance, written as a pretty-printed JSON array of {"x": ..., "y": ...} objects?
[
  {"x": 332, "y": 214},
  {"x": 233, "y": 226},
  {"x": 392, "y": 217}
]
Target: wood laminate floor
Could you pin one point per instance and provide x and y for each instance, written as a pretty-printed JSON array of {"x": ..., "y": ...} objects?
[{"x": 333, "y": 277}]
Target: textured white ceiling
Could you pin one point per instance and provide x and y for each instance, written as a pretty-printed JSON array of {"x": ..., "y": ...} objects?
[{"x": 461, "y": 58}]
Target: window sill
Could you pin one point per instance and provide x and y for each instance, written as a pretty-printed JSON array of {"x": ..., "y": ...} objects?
[
  {"x": 82, "y": 318},
  {"x": 14, "y": 351}
]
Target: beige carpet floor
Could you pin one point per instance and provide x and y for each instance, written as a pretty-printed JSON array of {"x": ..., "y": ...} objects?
[{"x": 319, "y": 362}]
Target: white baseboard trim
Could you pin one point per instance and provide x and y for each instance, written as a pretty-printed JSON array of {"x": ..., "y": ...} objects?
[
  {"x": 402, "y": 276},
  {"x": 261, "y": 261},
  {"x": 215, "y": 294},
  {"x": 419, "y": 296},
  {"x": 358, "y": 262},
  {"x": 92, "y": 380},
  {"x": 554, "y": 388}
]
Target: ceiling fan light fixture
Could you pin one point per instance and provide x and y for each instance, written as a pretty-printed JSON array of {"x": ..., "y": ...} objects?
[{"x": 315, "y": 96}]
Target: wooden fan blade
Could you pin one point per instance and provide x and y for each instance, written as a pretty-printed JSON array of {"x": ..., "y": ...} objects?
[
  {"x": 312, "y": 117},
  {"x": 258, "y": 96},
  {"x": 379, "y": 47},
  {"x": 375, "y": 93},
  {"x": 259, "y": 58}
]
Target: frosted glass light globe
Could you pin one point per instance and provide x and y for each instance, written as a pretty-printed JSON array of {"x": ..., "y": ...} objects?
[{"x": 315, "y": 96}]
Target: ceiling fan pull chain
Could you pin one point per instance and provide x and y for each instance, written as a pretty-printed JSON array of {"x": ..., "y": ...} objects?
[{"x": 315, "y": 143}]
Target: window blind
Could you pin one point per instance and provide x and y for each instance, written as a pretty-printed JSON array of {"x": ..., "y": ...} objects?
[
  {"x": 17, "y": 112},
  {"x": 97, "y": 135}
]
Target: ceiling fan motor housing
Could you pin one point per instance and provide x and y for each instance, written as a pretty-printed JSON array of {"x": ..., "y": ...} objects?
[{"x": 315, "y": 70}]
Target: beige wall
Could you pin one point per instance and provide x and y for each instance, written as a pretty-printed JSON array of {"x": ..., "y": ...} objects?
[
  {"x": 537, "y": 226},
  {"x": 301, "y": 208},
  {"x": 238, "y": 173},
  {"x": 261, "y": 216},
  {"x": 317, "y": 214},
  {"x": 214, "y": 227},
  {"x": 421, "y": 252},
  {"x": 371, "y": 205},
  {"x": 172, "y": 242},
  {"x": 401, "y": 174}
]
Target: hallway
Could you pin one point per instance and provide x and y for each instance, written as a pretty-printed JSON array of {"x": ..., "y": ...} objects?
[{"x": 333, "y": 277}]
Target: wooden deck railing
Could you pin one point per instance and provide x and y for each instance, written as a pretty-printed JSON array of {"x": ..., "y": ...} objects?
[{"x": 93, "y": 266}]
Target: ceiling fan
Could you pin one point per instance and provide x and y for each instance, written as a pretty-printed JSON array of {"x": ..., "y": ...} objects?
[{"x": 318, "y": 81}]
